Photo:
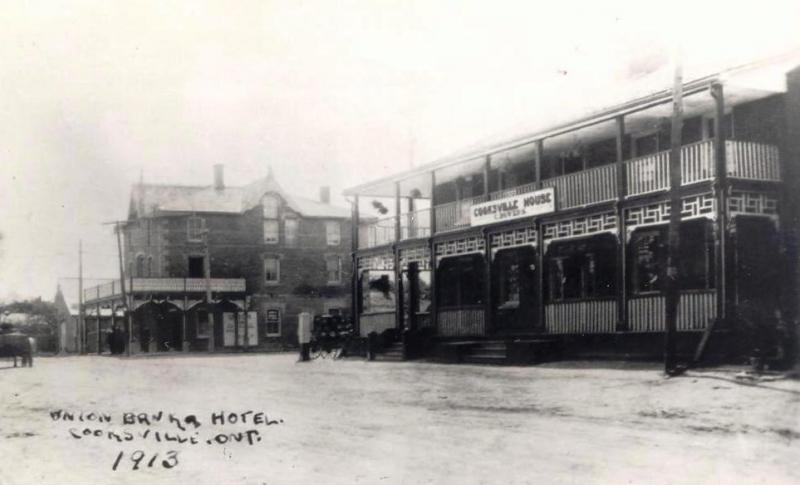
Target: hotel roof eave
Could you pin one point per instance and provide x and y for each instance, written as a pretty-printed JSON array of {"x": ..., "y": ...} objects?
[{"x": 601, "y": 116}]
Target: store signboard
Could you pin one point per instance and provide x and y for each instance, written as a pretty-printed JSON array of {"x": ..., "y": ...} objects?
[{"x": 515, "y": 207}]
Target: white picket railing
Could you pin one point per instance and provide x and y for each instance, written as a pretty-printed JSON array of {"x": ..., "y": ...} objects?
[
  {"x": 752, "y": 161},
  {"x": 583, "y": 188},
  {"x": 651, "y": 173}
]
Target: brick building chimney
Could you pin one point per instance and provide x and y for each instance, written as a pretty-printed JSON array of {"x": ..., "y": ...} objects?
[
  {"x": 219, "y": 176},
  {"x": 325, "y": 194}
]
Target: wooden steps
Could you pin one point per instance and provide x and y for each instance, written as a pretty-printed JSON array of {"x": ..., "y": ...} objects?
[{"x": 392, "y": 353}]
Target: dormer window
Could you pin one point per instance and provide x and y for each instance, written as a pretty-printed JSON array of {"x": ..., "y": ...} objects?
[{"x": 270, "y": 205}]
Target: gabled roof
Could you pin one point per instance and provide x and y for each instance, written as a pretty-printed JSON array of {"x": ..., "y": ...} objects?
[{"x": 152, "y": 199}]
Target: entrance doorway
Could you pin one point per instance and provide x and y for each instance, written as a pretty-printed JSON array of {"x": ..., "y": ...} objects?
[
  {"x": 514, "y": 290},
  {"x": 416, "y": 294},
  {"x": 757, "y": 270}
]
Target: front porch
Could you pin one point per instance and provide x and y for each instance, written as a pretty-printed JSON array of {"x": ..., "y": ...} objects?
[{"x": 175, "y": 314}]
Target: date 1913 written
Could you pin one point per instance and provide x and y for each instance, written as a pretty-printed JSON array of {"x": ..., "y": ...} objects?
[{"x": 139, "y": 460}]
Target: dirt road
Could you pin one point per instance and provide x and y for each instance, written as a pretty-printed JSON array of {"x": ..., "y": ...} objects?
[{"x": 357, "y": 422}]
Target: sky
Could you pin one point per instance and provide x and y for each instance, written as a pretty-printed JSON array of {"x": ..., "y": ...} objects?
[{"x": 96, "y": 94}]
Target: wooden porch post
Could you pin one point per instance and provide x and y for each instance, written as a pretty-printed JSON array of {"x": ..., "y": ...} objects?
[
  {"x": 537, "y": 162},
  {"x": 432, "y": 254},
  {"x": 487, "y": 167},
  {"x": 184, "y": 330},
  {"x": 354, "y": 235},
  {"x": 622, "y": 290},
  {"x": 672, "y": 290},
  {"x": 721, "y": 187},
  {"x": 397, "y": 210},
  {"x": 398, "y": 275},
  {"x": 537, "y": 165},
  {"x": 487, "y": 304},
  {"x": 99, "y": 338}
]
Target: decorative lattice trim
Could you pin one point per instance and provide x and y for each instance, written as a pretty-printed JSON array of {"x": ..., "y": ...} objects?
[
  {"x": 703, "y": 205},
  {"x": 752, "y": 203},
  {"x": 579, "y": 226},
  {"x": 512, "y": 238},
  {"x": 456, "y": 247},
  {"x": 420, "y": 255},
  {"x": 380, "y": 262}
]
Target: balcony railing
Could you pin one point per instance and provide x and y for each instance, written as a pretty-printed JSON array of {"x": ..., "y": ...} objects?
[
  {"x": 163, "y": 285},
  {"x": 647, "y": 174},
  {"x": 377, "y": 233},
  {"x": 752, "y": 161},
  {"x": 583, "y": 188},
  {"x": 455, "y": 215},
  {"x": 415, "y": 224},
  {"x": 412, "y": 225},
  {"x": 651, "y": 172}
]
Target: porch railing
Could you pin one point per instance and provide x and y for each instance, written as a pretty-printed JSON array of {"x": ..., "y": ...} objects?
[
  {"x": 162, "y": 285},
  {"x": 583, "y": 188},
  {"x": 646, "y": 313},
  {"x": 651, "y": 172},
  {"x": 415, "y": 224},
  {"x": 752, "y": 161},
  {"x": 592, "y": 316},
  {"x": 377, "y": 233},
  {"x": 375, "y": 322},
  {"x": 461, "y": 322},
  {"x": 647, "y": 174},
  {"x": 455, "y": 215}
]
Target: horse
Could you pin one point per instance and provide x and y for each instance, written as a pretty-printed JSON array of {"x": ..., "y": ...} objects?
[{"x": 17, "y": 344}]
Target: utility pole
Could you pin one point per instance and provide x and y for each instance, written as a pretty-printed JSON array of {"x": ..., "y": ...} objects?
[
  {"x": 207, "y": 275},
  {"x": 124, "y": 295},
  {"x": 80, "y": 332},
  {"x": 672, "y": 290}
]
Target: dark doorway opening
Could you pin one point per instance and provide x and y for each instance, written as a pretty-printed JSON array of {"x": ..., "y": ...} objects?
[
  {"x": 514, "y": 289},
  {"x": 196, "y": 269}
]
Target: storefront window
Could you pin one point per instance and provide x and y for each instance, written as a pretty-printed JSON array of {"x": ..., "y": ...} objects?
[
  {"x": 581, "y": 269},
  {"x": 648, "y": 255},
  {"x": 461, "y": 281},
  {"x": 377, "y": 291}
]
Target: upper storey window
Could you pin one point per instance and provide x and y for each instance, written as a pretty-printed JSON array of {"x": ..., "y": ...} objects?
[
  {"x": 270, "y": 205},
  {"x": 333, "y": 233},
  {"x": 195, "y": 226}
]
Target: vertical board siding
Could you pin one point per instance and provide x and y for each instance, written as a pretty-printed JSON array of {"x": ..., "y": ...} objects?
[
  {"x": 461, "y": 323},
  {"x": 595, "y": 316},
  {"x": 646, "y": 314},
  {"x": 375, "y": 322}
]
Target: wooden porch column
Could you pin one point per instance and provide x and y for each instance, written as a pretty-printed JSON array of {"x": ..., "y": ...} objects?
[
  {"x": 434, "y": 316},
  {"x": 487, "y": 167},
  {"x": 398, "y": 275},
  {"x": 537, "y": 163},
  {"x": 397, "y": 210},
  {"x": 487, "y": 304},
  {"x": 184, "y": 330},
  {"x": 99, "y": 337},
  {"x": 541, "y": 324},
  {"x": 720, "y": 187},
  {"x": 622, "y": 270},
  {"x": 354, "y": 235}
]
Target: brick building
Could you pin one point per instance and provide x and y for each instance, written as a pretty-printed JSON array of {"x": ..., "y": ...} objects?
[{"x": 270, "y": 255}]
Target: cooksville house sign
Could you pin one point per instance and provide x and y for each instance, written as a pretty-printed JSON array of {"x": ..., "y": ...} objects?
[{"x": 514, "y": 207}]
